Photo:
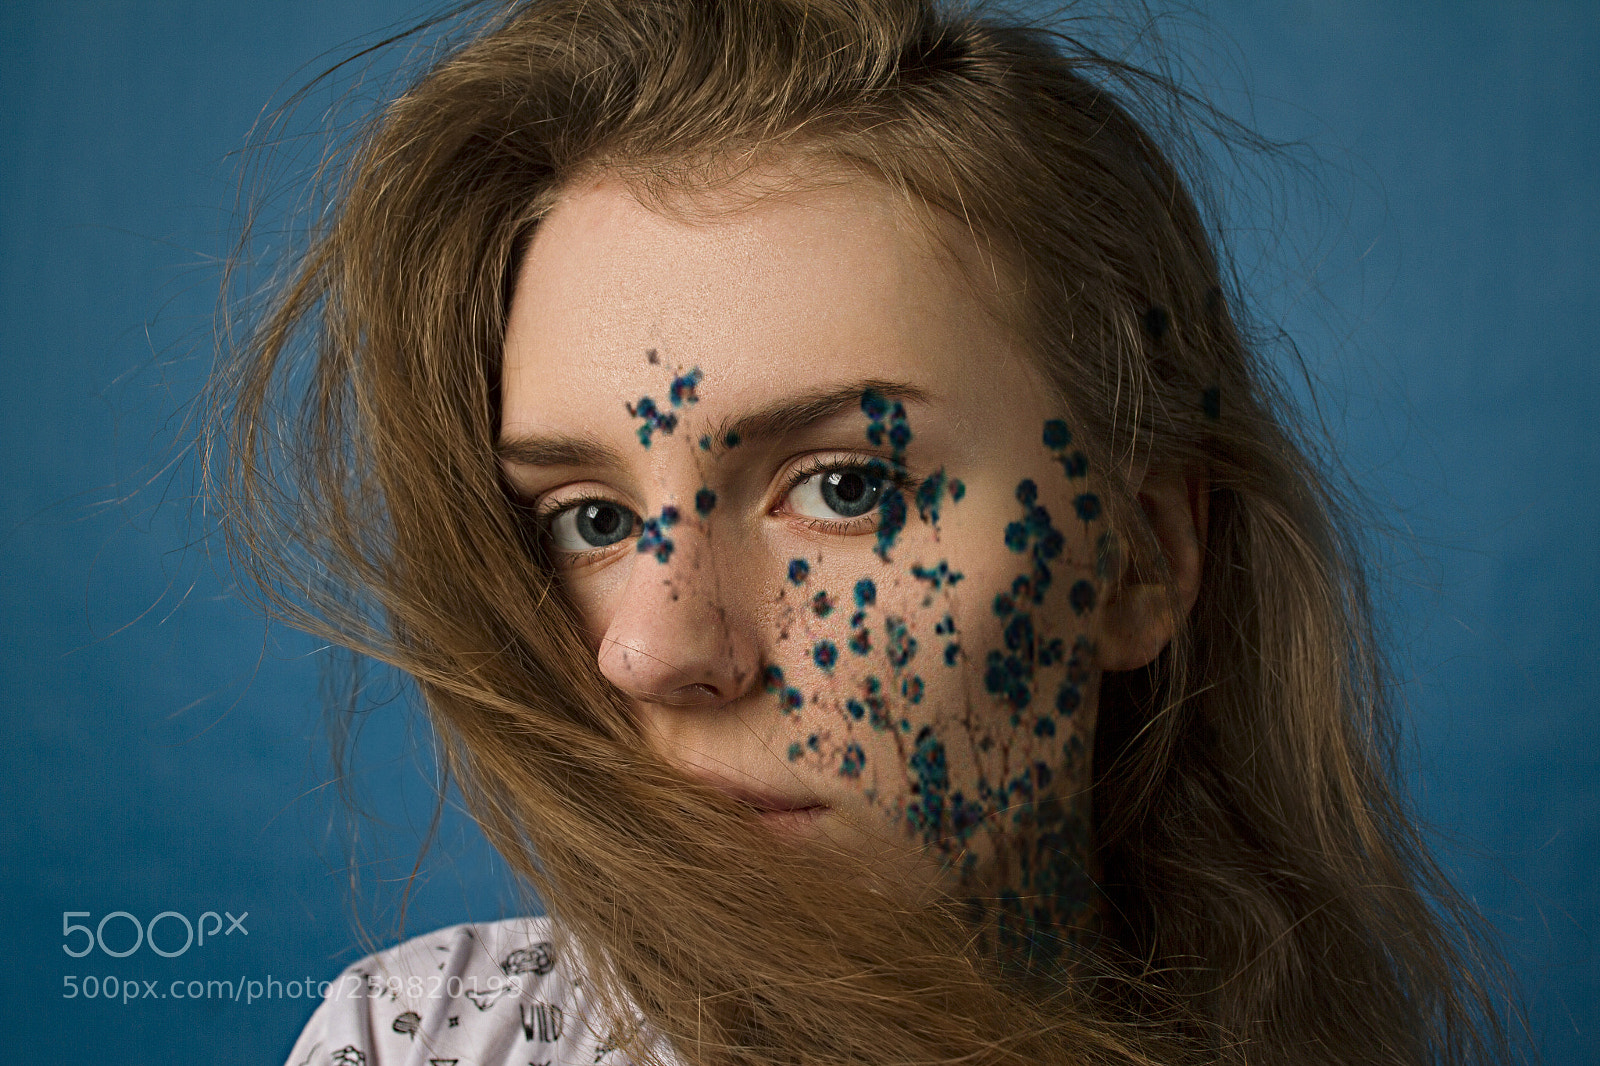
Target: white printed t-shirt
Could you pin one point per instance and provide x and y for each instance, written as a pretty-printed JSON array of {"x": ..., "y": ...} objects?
[{"x": 492, "y": 994}]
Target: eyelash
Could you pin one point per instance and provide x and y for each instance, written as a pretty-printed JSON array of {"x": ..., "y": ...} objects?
[
  {"x": 543, "y": 517},
  {"x": 876, "y": 466}
]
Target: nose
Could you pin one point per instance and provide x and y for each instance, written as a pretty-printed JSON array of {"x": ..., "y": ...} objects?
[{"x": 677, "y": 636}]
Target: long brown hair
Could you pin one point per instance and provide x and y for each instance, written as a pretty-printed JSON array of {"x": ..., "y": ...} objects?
[{"x": 1269, "y": 898}]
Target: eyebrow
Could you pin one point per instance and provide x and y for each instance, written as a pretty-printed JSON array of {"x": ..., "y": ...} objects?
[
  {"x": 778, "y": 419},
  {"x": 790, "y": 416}
]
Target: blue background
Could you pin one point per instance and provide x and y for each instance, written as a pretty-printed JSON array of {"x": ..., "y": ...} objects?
[{"x": 164, "y": 749}]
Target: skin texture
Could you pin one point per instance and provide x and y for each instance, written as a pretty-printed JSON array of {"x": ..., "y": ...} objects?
[{"x": 917, "y": 683}]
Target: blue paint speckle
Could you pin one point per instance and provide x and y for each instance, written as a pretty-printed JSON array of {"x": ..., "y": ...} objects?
[
  {"x": 855, "y": 709},
  {"x": 654, "y": 539},
  {"x": 1082, "y": 597},
  {"x": 653, "y": 417},
  {"x": 854, "y": 758},
  {"x": 866, "y": 592},
  {"x": 938, "y": 577},
  {"x": 932, "y": 492},
  {"x": 1056, "y": 434},
  {"x": 891, "y": 519},
  {"x": 825, "y": 654},
  {"x": 799, "y": 570},
  {"x": 705, "y": 501},
  {"x": 683, "y": 388},
  {"x": 952, "y": 654},
  {"x": 1088, "y": 506},
  {"x": 822, "y": 604},
  {"x": 901, "y": 646},
  {"x": 861, "y": 642}
]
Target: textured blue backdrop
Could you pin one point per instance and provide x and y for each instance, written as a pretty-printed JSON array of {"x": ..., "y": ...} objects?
[{"x": 164, "y": 750}]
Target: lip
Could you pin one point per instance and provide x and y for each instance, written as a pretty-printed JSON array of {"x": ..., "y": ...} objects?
[{"x": 774, "y": 809}]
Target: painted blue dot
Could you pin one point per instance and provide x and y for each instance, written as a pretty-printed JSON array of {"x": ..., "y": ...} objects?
[
  {"x": 866, "y": 592},
  {"x": 825, "y": 654},
  {"x": 854, "y": 758},
  {"x": 799, "y": 569},
  {"x": 705, "y": 501},
  {"x": 1056, "y": 434}
]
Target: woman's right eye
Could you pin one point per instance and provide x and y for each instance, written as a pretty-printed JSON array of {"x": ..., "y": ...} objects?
[{"x": 591, "y": 524}]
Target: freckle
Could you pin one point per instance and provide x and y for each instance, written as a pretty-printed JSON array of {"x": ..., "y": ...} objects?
[
  {"x": 704, "y": 501},
  {"x": 799, "y": 570},
  {"x": 652, "y": 356}
]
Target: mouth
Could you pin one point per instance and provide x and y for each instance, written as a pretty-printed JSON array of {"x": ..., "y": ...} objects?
[{"x": 780, "y": 813}]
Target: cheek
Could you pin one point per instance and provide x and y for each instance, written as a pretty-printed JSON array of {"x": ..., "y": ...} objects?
[{"x": 948, "y": 672}]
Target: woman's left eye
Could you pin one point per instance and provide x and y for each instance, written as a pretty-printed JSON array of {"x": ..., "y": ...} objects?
[{"x": 841, "y": 492}]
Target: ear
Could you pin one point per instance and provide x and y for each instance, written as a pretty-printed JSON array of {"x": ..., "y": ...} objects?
[{"x": 1138, "y": 617}]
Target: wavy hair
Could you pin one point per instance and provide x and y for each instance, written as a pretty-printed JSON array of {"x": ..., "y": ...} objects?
[{"x": 1269, "y": 897}]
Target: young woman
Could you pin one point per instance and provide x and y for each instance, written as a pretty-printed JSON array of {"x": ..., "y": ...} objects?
[{"x": 808, "y": 457}]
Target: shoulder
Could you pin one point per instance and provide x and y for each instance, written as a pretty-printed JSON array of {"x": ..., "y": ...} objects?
[{"x": 470, "y": 995}]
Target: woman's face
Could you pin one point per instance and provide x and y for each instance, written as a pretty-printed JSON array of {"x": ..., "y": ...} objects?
[{"x": 826, "y": 530}]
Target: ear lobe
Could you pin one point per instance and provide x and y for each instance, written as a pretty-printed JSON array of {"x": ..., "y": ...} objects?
[{"x": 1138, "y": 617}]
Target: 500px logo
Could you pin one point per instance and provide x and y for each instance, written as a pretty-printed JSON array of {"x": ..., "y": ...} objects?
[{"x": 146, "y": 933}]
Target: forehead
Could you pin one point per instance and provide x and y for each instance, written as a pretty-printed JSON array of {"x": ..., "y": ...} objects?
[{"x": 791, "y": 289}]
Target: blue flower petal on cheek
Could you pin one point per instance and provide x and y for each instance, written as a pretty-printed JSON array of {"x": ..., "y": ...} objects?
[{"x": 825, "y": 654}]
